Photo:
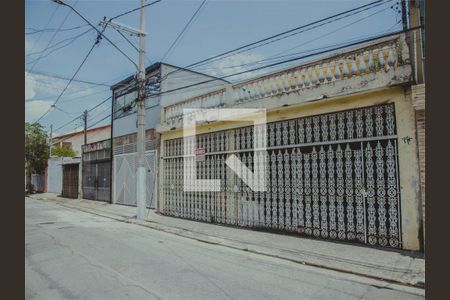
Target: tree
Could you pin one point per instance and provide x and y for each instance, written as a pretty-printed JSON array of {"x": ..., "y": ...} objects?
[
  {"x": 63, "y": 151},
  {"x": 36, "y": 150}
]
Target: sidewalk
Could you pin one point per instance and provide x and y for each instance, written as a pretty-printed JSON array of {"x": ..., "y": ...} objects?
[{"x": 393, "y": 266}]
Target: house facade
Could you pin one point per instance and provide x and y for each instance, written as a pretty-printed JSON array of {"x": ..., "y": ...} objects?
[
  {"x": 161, "y": 78},
  {"x": 76, "y": 139},
  {"x": 341, "y": 160}
]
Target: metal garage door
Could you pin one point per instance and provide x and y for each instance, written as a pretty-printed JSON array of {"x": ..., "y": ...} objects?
[
  {"x": 125, "y": 178},
  {"x": 97, "y": 180}
]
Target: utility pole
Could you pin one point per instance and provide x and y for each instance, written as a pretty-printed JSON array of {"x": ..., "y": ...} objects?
[
  {"x": 141, "y": 174},
  {"x": 85, "y": 115},
  {"x": 51, "y": 140},
  {"x": 80, "y": 169}
]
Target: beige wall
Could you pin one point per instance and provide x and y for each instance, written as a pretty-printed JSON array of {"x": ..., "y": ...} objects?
[{"x": 92, "y": 137}]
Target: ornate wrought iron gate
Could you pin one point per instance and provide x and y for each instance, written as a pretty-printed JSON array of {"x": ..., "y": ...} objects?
[
  {"x": 125, "y": 178},
  {"x": 330, "y": 176}
]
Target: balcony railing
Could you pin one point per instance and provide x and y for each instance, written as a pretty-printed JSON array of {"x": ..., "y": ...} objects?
[
  {"x": 377, "y": 57},
  {"x": 212, "y": 99}
]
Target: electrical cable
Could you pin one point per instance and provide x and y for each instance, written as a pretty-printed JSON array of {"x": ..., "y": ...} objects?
[
  {"x": 76, "y": 72},
  {"x": 135, "y": 9},
  {"x": 366, "y": 6},
  {"x": 89, "y": 110},
  {"x": 278, "y": 56},
  {"x": 343, "y": 14},
  {"x": 71, "y": 40},
  {"x": 289, "y": 60},
  {"x": 51, "y": 39},
  {"x": 66, "y": 78},
  {"x": 183, "y": 30},
  {"x": 100, "y": 33},
  {"x": 51, "y": 29},
  {"x": 48, "y": 22}
]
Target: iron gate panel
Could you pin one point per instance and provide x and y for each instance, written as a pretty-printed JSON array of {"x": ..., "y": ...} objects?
[
  {"x": 329, "y": 176},
  {"x": 89, "y": 181},
  {"x": 103, "y": 181},
  {"x": 70, "y": 181},
  {"x": 97, "y": 180},
  {"x": 125, "y": 178}
]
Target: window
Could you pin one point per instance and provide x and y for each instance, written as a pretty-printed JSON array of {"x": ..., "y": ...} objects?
[{"x": 123, "y": 105}]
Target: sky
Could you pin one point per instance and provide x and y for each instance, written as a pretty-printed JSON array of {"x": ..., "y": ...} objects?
[{"x": 220, "y": 25}]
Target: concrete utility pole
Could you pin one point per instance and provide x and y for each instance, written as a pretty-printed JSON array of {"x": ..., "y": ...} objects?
[
  {"x": 51, "y": 140},
  {"x": 141, "y": 173},
  {"x": 85, "y": 115},
  {"x": 80, "y": 169}
]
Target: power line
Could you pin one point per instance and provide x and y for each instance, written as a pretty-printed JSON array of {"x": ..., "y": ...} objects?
[
  {"x": 48, "y": 22},
  {"x": 76, "y": 72},
  {"x": 92, "y": 125},
  {"x": 378, "y": 2},
  {"x": 56, "y": 49},
  {"x": 51, "y": 39},
  {"x": 100, "y": 33},
  {"x": 133, "y": 10},
  {"x": 277, "y": 56},
  {"x": 285, "y": 61},
  {"x": 292, "y": 59},
  {"x": 34, "y": 31},
  {"x": 89, "y": 110},
  {"x": 129, "y": 42},
  {"x": 354, "y": 11},
  {"x": 71, "y": 40},
  {"x": 346, "y": 15},
  {"x": 66, "y": 78},
  {"x": 183, "y": 30}
]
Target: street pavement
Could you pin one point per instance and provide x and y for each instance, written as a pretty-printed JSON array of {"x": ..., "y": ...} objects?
[{"x": 70, "y": 254}]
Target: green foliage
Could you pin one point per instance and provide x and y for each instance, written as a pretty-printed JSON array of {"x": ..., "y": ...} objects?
[
  {"x": 36, "y": 148},
  {"x": 63, "y": 151}
]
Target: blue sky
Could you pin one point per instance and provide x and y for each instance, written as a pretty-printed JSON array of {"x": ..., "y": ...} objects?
[{"x": 220, "y": 25}]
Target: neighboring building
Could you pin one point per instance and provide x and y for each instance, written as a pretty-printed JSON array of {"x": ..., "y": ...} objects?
[
  {"x": 342, "y": 160},
  {"x": 161, "y": 78},
  {"x": 96, "y": 183},
  {"x": 62, "y": 172},
  {"x": 76, "y": 139}
]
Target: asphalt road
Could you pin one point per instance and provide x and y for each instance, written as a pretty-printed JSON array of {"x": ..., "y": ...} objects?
[{"x": 71, "y": 254}]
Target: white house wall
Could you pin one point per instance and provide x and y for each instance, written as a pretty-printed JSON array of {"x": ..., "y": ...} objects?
[{"x": 54, "y": 175}]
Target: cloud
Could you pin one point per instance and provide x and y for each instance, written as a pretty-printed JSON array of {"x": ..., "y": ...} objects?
[
  {"x": 236, "y": 64},
  {"x": 51, "y": 86},
  {"x": 34, "y": 109},
  {"x": 30, "y": 88}
]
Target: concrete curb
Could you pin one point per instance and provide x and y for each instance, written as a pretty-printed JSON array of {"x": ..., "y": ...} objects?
[{"x": 397, "y": 276}]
